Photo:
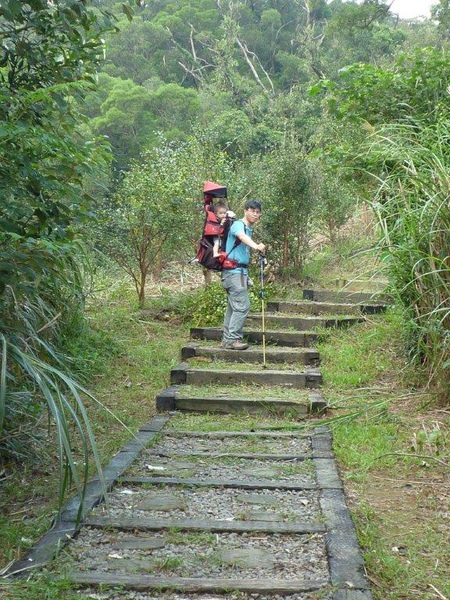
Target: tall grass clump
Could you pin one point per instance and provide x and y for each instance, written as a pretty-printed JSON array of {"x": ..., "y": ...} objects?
[
  {"x": 40, "y": 402},
  {"x": 412, "y": 165}
]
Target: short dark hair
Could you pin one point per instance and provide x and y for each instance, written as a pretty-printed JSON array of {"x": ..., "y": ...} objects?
[
  {"x": 253, "y": 204},
  {"x": 220, "y": 204}
]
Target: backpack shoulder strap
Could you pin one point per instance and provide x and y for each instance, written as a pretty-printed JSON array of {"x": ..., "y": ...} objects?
[{"x": 237, "y": 241}]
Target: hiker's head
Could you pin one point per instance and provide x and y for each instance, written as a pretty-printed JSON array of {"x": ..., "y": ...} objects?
[
  {"x": 252, "y": 210},
  {"x": 220, "y": 210}
]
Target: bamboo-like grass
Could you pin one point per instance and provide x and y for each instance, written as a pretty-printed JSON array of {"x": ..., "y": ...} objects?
[
  {"x": 35, "y": 381},
  {"x": 412, "y": 166}
]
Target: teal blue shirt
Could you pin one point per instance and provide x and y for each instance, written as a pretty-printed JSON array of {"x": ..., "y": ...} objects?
[{"x": 241, "y": 253}]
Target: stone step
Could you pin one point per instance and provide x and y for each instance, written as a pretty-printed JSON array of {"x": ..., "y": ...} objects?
[
  {"x": 273, "y": 354},
  {"x": 287, "y": 321},
  {"x": 343, "y": 295},
  {"x": 174, "y": 398},
  {"x": 185, "y": 374},
  {"x": 291, "y": 339},
  {"x": 320, "y": 308}
]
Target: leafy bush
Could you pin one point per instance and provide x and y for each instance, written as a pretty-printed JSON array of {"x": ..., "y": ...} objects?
[
  {"x": 49, "y": 54},
  {"x": 205, "y": 306}
]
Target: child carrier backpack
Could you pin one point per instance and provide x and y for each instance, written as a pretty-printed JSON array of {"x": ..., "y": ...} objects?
[{"x": 212, "y": 228}]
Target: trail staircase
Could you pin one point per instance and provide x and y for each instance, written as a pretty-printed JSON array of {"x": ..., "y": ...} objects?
[
  {"x": 226, "y": 511},
  {"x": 291, "y": 360}
]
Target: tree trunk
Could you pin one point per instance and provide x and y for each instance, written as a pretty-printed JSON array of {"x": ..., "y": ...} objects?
[{"x": 208, "y": 277}]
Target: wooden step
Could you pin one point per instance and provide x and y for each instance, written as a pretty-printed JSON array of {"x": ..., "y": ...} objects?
[
  {"x": 343, "y": 295},
  {"x": 291, "y": 339},
  {"x": 199, "y": 585},
  {"x": 174, "y": 398},
  {"x": 185, "y": 374},
  {"x": 273, "y": 354},
  {"x": 321, "y": 308},
  {"x": 286, "y": 321},
  {"x": 125, "y": 523}
]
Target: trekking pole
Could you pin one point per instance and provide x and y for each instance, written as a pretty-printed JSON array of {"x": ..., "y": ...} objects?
[{"x": 262, "y": 295}]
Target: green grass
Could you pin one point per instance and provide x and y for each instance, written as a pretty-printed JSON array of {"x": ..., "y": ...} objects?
[
  {"x": 222, "y": 365},
  {"x": 40, "y": 586},
  {"x": 244, "y": 391},
  {"x": 213, "y": 422},
  {"x": 357, "y": 356},
  {"x": 393, "y": 458}
]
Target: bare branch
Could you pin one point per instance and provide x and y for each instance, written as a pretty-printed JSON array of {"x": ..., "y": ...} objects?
[
  {"x": 256, "y": 57},
  {"x": 194, "y": 74},
  {"x": 194, "y": 71},
  {"x": 191, "y": 39},
  {"x": 246, "y": 53}
]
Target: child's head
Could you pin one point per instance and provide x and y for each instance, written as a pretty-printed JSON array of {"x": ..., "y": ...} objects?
[{"x": 220, "y": 210}]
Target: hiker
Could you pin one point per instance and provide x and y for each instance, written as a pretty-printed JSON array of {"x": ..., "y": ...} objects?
[{"x": 235, "y": 280}]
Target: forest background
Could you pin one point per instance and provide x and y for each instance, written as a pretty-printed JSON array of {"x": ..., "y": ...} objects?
[{"x": 113, "y": 116}]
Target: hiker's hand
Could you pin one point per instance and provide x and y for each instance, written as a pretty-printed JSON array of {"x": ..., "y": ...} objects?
[{"x": 261, "y": 248}]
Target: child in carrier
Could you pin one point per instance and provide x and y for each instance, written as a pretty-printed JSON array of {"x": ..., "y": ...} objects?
[
  {"x": 225, "y": 218},
  {"x": 218, "y": 220},
  {"x": 219, "y": 210}
]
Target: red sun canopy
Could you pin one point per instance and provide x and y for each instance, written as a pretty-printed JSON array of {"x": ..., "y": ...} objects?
[{"x": 214, "y": 189}]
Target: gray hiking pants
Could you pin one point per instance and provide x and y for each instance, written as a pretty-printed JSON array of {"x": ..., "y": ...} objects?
[{"x": 235, "y": 285}]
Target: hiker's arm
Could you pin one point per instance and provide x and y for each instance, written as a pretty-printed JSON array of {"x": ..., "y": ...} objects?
[{"x": 247, "y": 240}]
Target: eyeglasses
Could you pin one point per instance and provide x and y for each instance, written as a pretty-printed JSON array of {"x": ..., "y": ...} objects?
[{"x": 256, "y": 211}]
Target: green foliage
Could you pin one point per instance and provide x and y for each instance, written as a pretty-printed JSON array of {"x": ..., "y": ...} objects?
[
  {"x": 49, "y": 55},
  {"x": 35, "y": 376},
  {"x": 359, "y": 33},
  {"x": 50, "y": 44},
  {"x": 124, "y": 118},
  {"x": 414, "y": 89},
  {"x": 157, "y": 215},
  {"x": 290, "y": 177},
  {"x": 335, "y": 204},
  {"x": 131, "y": 115},
  {"x": 239, "y": 63},
  {"x": 412, "y": 164},
  {"x": 405, "y": 110},
  {"x": 206, "y": 306}
]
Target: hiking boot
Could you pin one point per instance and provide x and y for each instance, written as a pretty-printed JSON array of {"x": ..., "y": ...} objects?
[{"x": 236, "y": 345}]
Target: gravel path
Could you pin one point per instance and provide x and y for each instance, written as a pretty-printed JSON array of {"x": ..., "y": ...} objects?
[
  {"x": 211, "y": 503},
  {"x": 235, "y": 469},
  {"x": 201, "y": 555},
  {"x": 253, "y": 556},
  {"x": 202, "y": 510},
  {"x": 174, "y": 445}
]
